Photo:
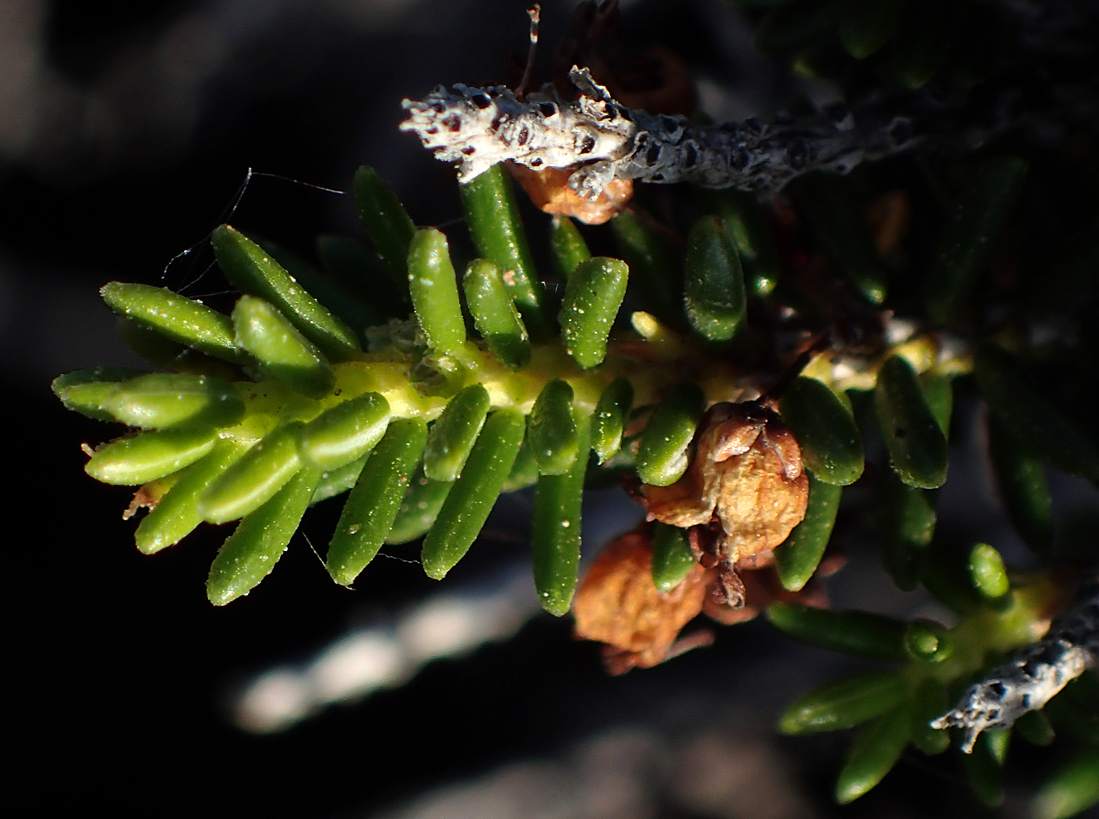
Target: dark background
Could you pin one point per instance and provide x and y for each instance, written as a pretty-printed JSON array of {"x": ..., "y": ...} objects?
[{"x": 126, "y": 132}]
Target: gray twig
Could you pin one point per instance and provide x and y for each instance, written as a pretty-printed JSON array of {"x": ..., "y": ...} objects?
[{"x": 1039, "y": 672}]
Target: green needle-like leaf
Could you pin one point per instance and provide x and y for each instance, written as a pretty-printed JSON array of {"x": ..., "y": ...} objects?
[
  {"x": 178, "y": 513},
  {"x": 344, "y": 433},
  {"x": 254, "y": 478},
  {"x": 875, "y": 752},
  {"x": 372, "y": 506},
  {"x": 454, "y": 433},
  {"x": 824, "y": 427},
  {"x": 280, "y": 350},
  {"x": 555, "y": 527},
  {"x": 593, "y": 297},
  {"x": 252, "y": 270},
  {"x": 498, "y": 235},
  {"x": 387, "y": 223},
  {"x": 434, "y": 288},
  {"x": 180, "y": 319},
  {"x": 916, "y": 444},
  {"x": 967, "y": 247},
  {"x": 160, "y": 400},
  {"x": 672, "y": 556},
  {"x": 494, "y": 313},
  {"x": 713, "y": 282},
  {"x": 662, "y": 453},
  {"x": 845, "y": 703},
  {"x": 251, "y": 552},
  {"x": 567, "y": 245},
  {"x": 798, "y": 557},
  {"x": 609, "y": 421},
  {"x": 473, "y": 495},
  {"x": 150, "y": 455},
  {"x": 552, "y": 434}
]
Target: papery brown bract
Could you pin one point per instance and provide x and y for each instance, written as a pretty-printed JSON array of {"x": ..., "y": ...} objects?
[
  {"x": 549, "y": 191},
  {"x": 618, "y": 605},
  {"x": 746, "y": 473}
]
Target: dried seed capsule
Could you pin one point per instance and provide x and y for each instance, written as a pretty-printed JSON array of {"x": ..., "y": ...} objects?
[
  {"x": 555, "y": 527},
  {"x": 662, "y": 452},
  {"x": 254, "y": 478},
  {"x": 844, "y": 703},
  {"x": 654, "y": 267},
  {"x": 178, "y": 318},
  {"x": 280, "y": 350},
  {"x": 387, "y": 223},
  {"x": 713, "y": 282},
  {"x": 1021, "y": 481},
  {"x": 853, "y": 632},
  {"x": 494, "y": 313},
  {"x": 252, "y": 270},
  {"x": 798, "y": 557},
  {"x": 567, "y": 246},
  {"x": 473, "y": 495},
  {"x": 873, "y": 754},
  {"x": 434, "y": 289},
  {"x": 177, "y": 514},
  {"x": 928, "y": 702},
  {"x": 868, "y": 25},
  {"x": 498, "y": 235},
  {"x": 454, "y": 433},
  {"x": 251, "y": 552},
  {"x": 967, "y": 245},
  {"x": 344, "y": 433},
  {"x": 421, "y": 504},
  {"x": 836, "y": 217},
  {"x": 916, "y": 444},
  {"x": 150, "y": 455},
  {"x": 372, "y": 506},
  {"x": 612, "y": 411},
  {"x": 672, "y": 557},
  {"x": 1031, "y": 417},
  {"x": 831, "y": 446},
  {"x": 88, "y": 391},
  {"x": 593, "y": 296},
  {"x": 553, "y": 436},
  {"x": 160, "y": 400}
]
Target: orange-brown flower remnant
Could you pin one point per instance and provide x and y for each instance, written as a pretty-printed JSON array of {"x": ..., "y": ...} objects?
[
  {"x": 618, "y": 605},
  {"x": 549, "y": 190},
  {"x": 747, "y": 475}
]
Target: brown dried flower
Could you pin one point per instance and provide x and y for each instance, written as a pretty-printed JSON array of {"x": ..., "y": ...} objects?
[
  {"x": 549, "y": 190},
  {"x": 746, "y": 473},
  {"x": 619, "y": 605}
]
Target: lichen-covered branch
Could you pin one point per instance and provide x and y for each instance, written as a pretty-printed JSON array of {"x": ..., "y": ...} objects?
[
  {"x": 1036, "y": 675},
  {"x": 479, "y": 127}
]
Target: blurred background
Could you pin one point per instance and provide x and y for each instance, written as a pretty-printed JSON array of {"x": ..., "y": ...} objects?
[{"x": 127, "y": 132}]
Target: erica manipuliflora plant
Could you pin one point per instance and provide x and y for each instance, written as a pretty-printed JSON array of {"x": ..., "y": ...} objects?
[{"x": 792, "y": 321}]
